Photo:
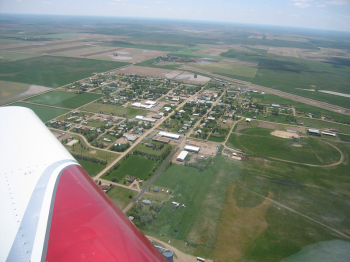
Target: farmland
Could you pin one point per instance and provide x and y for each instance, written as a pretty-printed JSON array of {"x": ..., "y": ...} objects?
[
  {"x": 52, "y": 71},
  {"x": 63, "y": 99},
  {"x": 91, "y": 168},
  {"x": 43, "y": 112}
]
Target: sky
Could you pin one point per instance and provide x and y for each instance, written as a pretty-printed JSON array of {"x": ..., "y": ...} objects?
[{"x": 320, "y": 14}]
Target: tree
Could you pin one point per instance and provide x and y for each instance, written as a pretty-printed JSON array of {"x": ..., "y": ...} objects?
[{"x": 195, "y": 75}]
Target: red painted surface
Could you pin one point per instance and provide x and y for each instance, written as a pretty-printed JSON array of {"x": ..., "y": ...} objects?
[{"x": 87, "y": 226}]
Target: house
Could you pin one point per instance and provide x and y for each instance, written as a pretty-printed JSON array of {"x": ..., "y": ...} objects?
[
  {"x": 131, "y": 179},
  {"x": 103, "y": 187}
]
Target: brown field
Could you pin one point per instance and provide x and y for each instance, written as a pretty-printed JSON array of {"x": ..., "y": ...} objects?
[
  {"x": 284, "y": 134},
  {"x": 189, "y": 78},
  {"x": 143, "y": 71},
  {"x": 47, "y": 44},
  {"x": 336, "y": 52},
  {"x": 232, "y": 234},
  {"x": 241, "y": 127},
  {"x": 314, "y": 55},
  {"x": 266, "y": 125},
  {"x": 284, "y": 51},
  {"x": 43, "y": 49}
]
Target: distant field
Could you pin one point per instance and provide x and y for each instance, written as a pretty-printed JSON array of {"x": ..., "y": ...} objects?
[
  {"x": 228, "y": 69},
  {"x": 13, "y": 56},
  {"x": 147, "y": 47},
  {"x": 121, "y": 196},
  {"x": 64, "y": 99},
  {"x": 91, "y": 168},
  {"x": 107, "y": 109},
  {"x": 44, "y": 113},
  {"x": 129, "y": 168},
  {"x": 52, "y": 71},
  {"x": 259, "y": 141},
  {"x": 292, "y": 74}
]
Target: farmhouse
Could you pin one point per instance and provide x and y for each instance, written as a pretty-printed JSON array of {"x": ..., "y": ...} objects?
[
  {"x": 169, "y": 135},
  {"x": 192, "y": 148},
  {"x": 131, "y": 179},
  {"x": 181, "y": 157}
]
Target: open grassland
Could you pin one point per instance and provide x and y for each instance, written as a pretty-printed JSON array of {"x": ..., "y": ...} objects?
[
  {"x": 91, "y": 168},
  {"x": 136, "y": 166},
  {"x": 121, "y": 196},
  {"x": 259, "y": 141},
  {"x": 14, "y": 56},
  {"x": 64, "y": 99},
  {"x": 43, "y": 112},
  {"x": 120, "y": 111},
  {"x": 253, "y": 210},
  {"x": 147, "y": 47},
  {"x": 228, "y": 69},
  {"x": 52, "y": 71},
  {"x": 292, "y": 74}
]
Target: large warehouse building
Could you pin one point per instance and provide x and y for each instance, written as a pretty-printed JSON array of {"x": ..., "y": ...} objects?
[
  {"x": 181, "y": 157},
  {"x": 192, "y": 148},
  {"x": 169, "y": 135}
]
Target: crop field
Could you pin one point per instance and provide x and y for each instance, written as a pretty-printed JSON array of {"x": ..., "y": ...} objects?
[
  {"x": 43, "y": 112},
  {"x": 259, "y": 141},
  {"x": 292, "y": 74},
  {"x": 121, "y": 196},
  {"x": 147, "y": 47},
  {"x": 128, "y": 168},
  {"x": 120, "y": 111},
  {"x": 91, "y": 168},
  {"x": 13, "y": 56},
  {"x": 53, "y": 71},
  {"x": 64, "y": 99}
]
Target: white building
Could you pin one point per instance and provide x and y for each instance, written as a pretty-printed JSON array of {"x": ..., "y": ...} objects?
[
  {"x": 181, "y": 157},
  {"x": 192, "y": 148},
  {"x": 169, "y": 135}
]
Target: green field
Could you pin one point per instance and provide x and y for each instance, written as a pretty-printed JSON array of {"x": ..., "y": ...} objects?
[
  {"x": 228, "y": 69},
  {"x": 120, "y": 111},
  {"x": 52, "y": 71},
  {"x": 292, "y": 74},
  {"x": 259, "y": 141},
  {"x": 13, "y": 56},
  {"x": 129, "y": 168},
  {"x": 121, "y": 196},
  {"x": 147, "y": 47},
  {"x": 215, "y": 138},
  {"x": 91, "y": 168},
  {"x": 43, "y": 112},
  {"x": 64, "y": 99}
]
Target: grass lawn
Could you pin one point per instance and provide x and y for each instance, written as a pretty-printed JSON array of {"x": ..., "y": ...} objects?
[
  {"x": 345, "y": 138},
  {"x": 53, "y": 71},
  {"x": 121, "y": 196},
  {"x": 43, "y": 112},
  {"x": 259, "y": 141},
  {"x": 91, "y": 168},
  {"x": 64, "y": 99},
  {"x": 136, "y": 166},
  {"x": 120, "y": 111},
  {"x": 215, "y": 138},
  {"x": 148, "y": 150}
]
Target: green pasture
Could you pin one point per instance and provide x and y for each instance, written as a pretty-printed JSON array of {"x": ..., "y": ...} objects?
[
  {"x": 259, "y": 141},
  {"x": 91, "y": 168},
  {"x": 53, "y": 71},
  {"x": 43, "y": 112},
  {"x": 120, "y": 111},
  {"x": 64, "y": 99},
  {"x": 121, "y": 196},
  {"x": 129, "y": 168},
  {"x": 216, "y": 138},
  {"x": 345, "y": 138}
]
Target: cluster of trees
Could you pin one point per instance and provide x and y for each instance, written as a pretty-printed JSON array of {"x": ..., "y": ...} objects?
[
  {"x": 90, "y": 159},
  {"x": 201, "y": 164},
  {"x": 90, "y": 135},
  {"x": 121, "y": 147},
  {"x": 142, "y": 215},
  {"x": 97, "y": 144},
  {"x": 157, "y": 146},
  {"x": 160, "y": 158}
]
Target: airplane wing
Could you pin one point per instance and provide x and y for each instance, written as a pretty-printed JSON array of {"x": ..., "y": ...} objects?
[{"x": 51, "y": 210}]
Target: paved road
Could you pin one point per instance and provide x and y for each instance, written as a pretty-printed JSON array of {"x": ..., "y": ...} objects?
[
  {"x": 249, "y": 85},
  {"x": 151, "y": 181}
]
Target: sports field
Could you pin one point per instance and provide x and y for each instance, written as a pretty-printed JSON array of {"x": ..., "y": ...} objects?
[
  {"x": 64, "y": 99},
  {"x": 53, "y": 71},
  {"x": 260, "y": 142},
  {"x": 120, "y": 111},
  {"x": 129, "y": 168},
  {"x": 43, "y": 112}
]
